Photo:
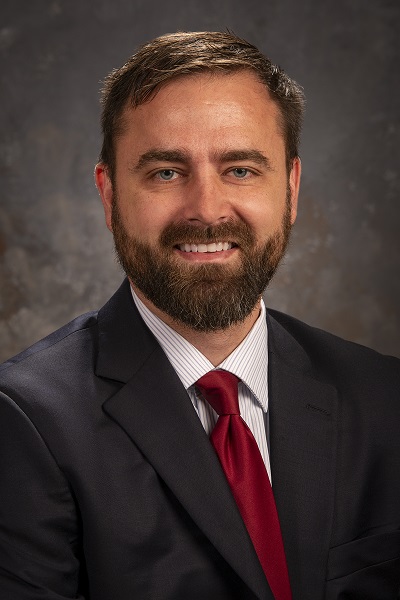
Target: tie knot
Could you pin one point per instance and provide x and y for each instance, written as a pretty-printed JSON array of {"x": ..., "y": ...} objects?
[{"x": 220, "y": 389}]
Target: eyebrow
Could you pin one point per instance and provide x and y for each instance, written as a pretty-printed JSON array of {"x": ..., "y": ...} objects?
[
  {"x": 180, "y": 156},
  {"x": 159, "y": 155},
  {"x": 245, "y": 154}
]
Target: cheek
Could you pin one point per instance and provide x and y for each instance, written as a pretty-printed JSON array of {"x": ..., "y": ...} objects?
[
  {"x": 144, "y": 221},
  {"x": 265, "y": 217}
]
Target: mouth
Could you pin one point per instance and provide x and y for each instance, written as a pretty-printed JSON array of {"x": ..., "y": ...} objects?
[{"x": 206, "y": 248}]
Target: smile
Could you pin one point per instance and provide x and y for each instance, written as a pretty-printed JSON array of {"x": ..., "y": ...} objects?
[{"x": 214, "y": 247}]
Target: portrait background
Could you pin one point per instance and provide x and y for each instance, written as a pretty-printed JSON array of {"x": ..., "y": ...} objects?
[{"x": 341, "y": 272}]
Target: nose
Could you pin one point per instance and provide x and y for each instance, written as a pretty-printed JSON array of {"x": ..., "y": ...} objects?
[{"x": 206, "y": 202}]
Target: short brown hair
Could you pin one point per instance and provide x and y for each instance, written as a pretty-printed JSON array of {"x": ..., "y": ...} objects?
[{"x": 173, "y": 55}]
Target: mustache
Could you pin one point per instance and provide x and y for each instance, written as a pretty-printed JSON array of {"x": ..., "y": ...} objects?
[{"x": 181, "y": 232}]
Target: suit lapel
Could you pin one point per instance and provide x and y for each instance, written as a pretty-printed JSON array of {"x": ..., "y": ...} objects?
[
  {"x": 303, "y": 430},
  {"x": 155, "y": 411}
]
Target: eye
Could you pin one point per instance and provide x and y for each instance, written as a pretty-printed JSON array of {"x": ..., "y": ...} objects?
[
  {"x": 240, "y": 172},
  {"x": 166, "y": 174}
]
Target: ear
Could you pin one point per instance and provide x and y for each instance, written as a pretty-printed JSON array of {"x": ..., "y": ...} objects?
[
  {"x": 294, "y": 183},
  {"x": 104, "y": 185}
]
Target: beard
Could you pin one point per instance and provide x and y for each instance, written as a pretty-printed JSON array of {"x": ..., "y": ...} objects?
[{"x": 204, "y": 297}]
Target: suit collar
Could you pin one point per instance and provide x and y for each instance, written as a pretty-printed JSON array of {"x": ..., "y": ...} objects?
[{"x": 125, "y": 342}]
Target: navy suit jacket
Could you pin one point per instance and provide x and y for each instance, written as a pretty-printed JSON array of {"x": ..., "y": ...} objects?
[{"x": 111, "y": 490}]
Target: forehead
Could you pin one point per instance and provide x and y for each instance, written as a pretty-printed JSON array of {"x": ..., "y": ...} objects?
[{"x": 204, "y": 104}]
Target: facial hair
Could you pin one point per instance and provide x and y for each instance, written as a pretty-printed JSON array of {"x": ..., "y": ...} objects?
[{"x": 204, "y": 297}]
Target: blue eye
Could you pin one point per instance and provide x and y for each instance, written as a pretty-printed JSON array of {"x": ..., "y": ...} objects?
[
  {"x": 166, "y": 174},
  {"x": 240, "y": 172}
]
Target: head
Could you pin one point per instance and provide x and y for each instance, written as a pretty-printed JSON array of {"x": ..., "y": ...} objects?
[
  {"x": 184, "y": 53},
  {"x": 199, "y": 174}
]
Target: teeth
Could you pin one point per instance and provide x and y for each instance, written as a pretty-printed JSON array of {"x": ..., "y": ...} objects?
[{"x": 220, "y": 246}]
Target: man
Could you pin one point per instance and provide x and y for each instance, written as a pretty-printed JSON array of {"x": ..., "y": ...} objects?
[{"x": 110, "y": 487}]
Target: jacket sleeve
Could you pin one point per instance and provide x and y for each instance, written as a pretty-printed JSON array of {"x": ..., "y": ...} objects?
[{"x": 39, "y": 524}]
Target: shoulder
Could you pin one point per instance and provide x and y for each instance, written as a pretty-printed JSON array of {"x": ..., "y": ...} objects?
[
  {"x": 70, "y": 361},
  {"x": 65, "y": 346},
  {"x": 333, "y": 358}
]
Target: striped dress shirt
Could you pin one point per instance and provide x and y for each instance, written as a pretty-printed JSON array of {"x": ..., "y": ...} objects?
[{"x": 249, "y": 362}]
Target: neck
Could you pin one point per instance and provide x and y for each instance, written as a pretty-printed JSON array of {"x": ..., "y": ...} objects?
[{"x": 215, "y": 345}]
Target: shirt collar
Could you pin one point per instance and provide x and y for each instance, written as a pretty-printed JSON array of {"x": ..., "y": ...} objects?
[{"x": 249, "y": 361}]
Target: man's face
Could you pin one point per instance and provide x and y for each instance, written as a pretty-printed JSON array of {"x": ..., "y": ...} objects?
[{"x": 201, "y": 204}]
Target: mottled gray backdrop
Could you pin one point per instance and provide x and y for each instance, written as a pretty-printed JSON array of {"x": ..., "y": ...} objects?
[{"x": 56, "y": 256}]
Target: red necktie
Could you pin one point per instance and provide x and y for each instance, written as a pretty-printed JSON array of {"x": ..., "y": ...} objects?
[{"x": 247, "y": 476}]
